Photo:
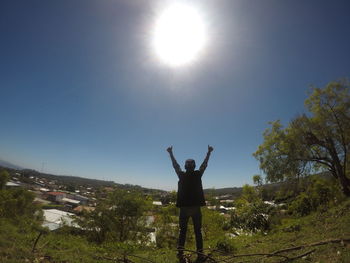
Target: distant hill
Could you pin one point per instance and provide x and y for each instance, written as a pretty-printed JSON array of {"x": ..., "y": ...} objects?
[
  {"x": 10, "y": 165},
  {"x": 79, "y": 181},
  {"x": 271, "y": 188},
  {"x": 234, "y": 191}
]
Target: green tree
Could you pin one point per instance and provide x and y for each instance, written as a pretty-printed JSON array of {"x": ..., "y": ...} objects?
[
  {"x": 318, "y": 192},
  {"x": 167, "y": 227},
  {"x": 249, "y": 194},
  {"x": 71, "y": 188},
  {"x": 317, "y": 140},
  {"x": 17, "y": 204},
  {"x": 251, "y": 212},
  {"x": 211, "y": 197},
  {"x": 4, "y": 178},
  {"x": 257, "y": 180},
  {"x": 120, "y": 217},
  {"x": 302, "y": 205}
]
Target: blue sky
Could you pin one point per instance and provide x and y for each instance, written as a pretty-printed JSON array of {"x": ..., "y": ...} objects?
[{"x": 82, "y": 92}]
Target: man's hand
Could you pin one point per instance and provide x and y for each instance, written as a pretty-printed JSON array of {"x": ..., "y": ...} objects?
[
  {"x": 173, "y": 160},
  {"x": 170, "y": 149},
  {"x": 205, "y": 162}
]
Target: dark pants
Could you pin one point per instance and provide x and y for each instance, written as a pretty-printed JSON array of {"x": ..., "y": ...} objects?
[{"x": 185, "y": 214}]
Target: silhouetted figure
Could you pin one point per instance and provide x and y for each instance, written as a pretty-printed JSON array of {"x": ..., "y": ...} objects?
[{"x": 190, "y": 198}]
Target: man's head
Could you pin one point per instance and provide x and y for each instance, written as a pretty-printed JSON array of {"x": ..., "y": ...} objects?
[{"x": 190, "y": 165}]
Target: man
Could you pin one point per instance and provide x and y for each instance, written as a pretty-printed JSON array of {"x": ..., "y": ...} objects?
[{"x": 190, "y": 198}]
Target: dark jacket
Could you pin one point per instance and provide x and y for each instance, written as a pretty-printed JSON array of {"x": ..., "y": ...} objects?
[{"x": 190, "y": 189}]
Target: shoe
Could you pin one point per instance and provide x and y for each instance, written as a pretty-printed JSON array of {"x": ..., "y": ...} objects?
[
  {"x": 201, "y": 259},
  {"x": 181, "y": 258}
]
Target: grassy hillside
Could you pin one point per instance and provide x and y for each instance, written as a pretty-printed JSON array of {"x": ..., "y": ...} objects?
[
  {"x": 319, "y": 226},
  {"x": 16, "y": 243}
]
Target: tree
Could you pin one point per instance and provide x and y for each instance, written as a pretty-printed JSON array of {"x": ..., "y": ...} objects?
[
  {"x": 167, "y": 227},
  {"x": 70, "y": 188},
  {"x": 16, "y": 203},
  {"x": 317, "y": 140},
  {"x": 251, "y": 212},
  {"x": 4, "y": 177},
  {"x": 120, "y": 217},
  {"x": 257, "y": 180},
  {"x": 249, "y": 194}
]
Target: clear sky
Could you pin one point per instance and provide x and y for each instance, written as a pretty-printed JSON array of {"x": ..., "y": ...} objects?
[{"x": 82, "y": 92}]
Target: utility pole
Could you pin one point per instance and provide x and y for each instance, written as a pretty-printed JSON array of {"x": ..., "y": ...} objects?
[{"x": 42, "y": 166}]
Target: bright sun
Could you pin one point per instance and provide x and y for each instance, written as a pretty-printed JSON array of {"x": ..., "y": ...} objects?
[{"x": 179, "y": 35}]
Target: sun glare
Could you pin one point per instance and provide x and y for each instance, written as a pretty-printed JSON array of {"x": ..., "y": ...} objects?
[{"x": 179, "y": 35}]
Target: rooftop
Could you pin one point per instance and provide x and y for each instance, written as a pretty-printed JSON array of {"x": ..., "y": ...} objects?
[{"x": 56, "y": 193}]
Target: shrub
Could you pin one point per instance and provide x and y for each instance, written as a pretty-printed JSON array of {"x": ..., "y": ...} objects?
[
  {"x": 301, "y": 206},
  {"x": 320, "y": 194},
  {"x": 226, "y": 245},
  {"x": 120, "y": 217},
  {"x": 252, "y": 217}
]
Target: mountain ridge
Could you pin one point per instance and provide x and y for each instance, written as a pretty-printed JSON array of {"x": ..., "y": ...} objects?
[{"x": 7, "y": 164}]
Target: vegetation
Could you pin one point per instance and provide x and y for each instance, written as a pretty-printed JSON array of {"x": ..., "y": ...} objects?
[
  {"x": 318, "y": 140},
  {"x": 288, "y": 230},
  {"x": 117, "y": 218},
  {"x": 312, "y": 225},
  {"x": 251, "y": 213},
  {"x": 16, "y": 204}
]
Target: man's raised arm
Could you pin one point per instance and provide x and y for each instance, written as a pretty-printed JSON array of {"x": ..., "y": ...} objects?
[
  {"x": 175, "y": 164},
  {"x": 205, "y": 162}
]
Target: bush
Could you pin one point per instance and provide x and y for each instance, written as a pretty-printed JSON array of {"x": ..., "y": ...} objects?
[
  {"x": 16, "y": 204},
  {"x": 252, "y": 217},
  {"x": 120, "y": 217},
  {"x": 167, "y": 227},
  {"x": 212, "y": 224},
  {"x": 320, "y": 194},
  {"x": 301, "y": 206},
  {"x": 226, "y": 245}
]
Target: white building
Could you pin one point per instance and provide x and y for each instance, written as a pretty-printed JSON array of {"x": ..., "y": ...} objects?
[{"x": 54, "y": 219}]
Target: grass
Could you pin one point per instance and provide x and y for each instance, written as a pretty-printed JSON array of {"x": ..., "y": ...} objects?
[
  {"x": 16, "y": 241},
  {"x": 321, "y": 225}
]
